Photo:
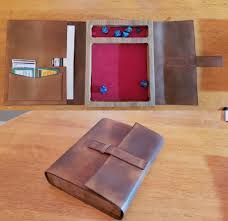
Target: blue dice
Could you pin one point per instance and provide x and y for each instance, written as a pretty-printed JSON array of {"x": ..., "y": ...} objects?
[
  {"x": 125, "y": 34},
  {"x": 117, "y": 33},
  {"x": 103, "y": 89},
  {"x": 104, "y": 29},
  {"x": 128, "y": 29},
  {"x": 144, "y": 83}
]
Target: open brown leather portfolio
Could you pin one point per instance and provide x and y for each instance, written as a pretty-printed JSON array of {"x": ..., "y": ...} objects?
[
  {"x": 107, "y": 165},
  {"x": 154, "y": 63}
]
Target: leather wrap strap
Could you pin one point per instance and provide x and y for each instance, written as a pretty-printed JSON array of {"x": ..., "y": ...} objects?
[
  {"x": 209, "y": 61},
  {"x": 117, "y": 152},
  {"x": 199, "y": 61}
]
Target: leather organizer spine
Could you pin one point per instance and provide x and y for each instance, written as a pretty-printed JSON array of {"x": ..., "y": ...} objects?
[{"x": 107, "y": 165}]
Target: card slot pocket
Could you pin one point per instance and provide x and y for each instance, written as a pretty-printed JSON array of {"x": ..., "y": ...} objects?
[
  {"x": 34, "y": 73},
  {"x": 44, "y": 90},
  {"x": 48, "y": 71}
]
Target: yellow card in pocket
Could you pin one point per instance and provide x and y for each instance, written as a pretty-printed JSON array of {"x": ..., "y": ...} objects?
[{"x": 43, "y": 72}]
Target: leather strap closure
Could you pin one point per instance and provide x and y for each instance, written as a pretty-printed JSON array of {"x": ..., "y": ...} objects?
[
  {"x": 199, "y": 61},
  {"x": 180, "y": 61},
  {"x": 118, "y": 153},
  {"x": 209, "y": 61}
]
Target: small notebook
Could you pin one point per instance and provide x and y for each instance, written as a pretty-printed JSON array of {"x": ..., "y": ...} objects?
[{"x": 107, "y": 165}]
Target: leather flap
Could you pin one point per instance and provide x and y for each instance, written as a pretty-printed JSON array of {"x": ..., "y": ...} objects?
[
  {"x": 175, "y": 63},
  {"x": 209, "y": 61},
  {"x": 175, "y": 70},
  {"x": 117, "y": 180},
  {"x": 42, "y": 41}
]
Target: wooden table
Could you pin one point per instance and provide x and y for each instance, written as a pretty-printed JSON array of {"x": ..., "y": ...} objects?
[{"x": 187, "y": 182}]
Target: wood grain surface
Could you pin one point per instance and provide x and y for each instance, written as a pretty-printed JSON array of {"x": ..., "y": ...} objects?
[
  {"x": 211, "y": 28},
  {"x": 188, "y": 181}
]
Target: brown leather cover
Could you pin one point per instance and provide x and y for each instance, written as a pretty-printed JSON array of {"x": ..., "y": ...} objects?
[
  {"x": 45, "y": 90},
  {"x": 42, "y": 41},
  {"x": 176, "y": 61},
  {"x": 107, "y": 165}
]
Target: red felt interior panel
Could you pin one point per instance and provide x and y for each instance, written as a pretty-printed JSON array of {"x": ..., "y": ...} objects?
[
  {"x": 96, "y": 31},
  {"x": 120, "y": 67}
]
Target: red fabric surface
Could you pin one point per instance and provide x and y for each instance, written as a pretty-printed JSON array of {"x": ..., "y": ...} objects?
[
  {"x": 120, "y": 67},
  {"x": 96, "y": 31}
]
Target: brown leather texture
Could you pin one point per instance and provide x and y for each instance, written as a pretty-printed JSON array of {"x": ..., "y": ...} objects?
[
  {"x": 117, "y": 152},
  {"x": 107, "y": 165},
  {"x": 25, "y": 90},
  {"x": 176, "y": 61},
  {"x": 209, "y": 61},
  {"x": 80, "y": 63},
  {"x": 42, "y": 41}
]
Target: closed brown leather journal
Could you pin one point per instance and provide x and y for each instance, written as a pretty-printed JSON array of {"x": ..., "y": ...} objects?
[{"x": 107, "y": 165}]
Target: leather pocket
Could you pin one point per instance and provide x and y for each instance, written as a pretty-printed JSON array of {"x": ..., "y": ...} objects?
[{"x": 26, "y": 90}]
